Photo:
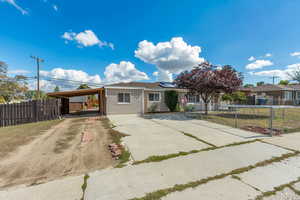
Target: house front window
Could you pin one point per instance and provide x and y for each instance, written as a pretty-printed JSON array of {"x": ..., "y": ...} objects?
[
  {"x": 288, "y": 95},
  {"x": 123, "y": 98},
  {"x": 153, "y": 96},
  {"x": 193, "y": 98},
  {"x": 298, "y": 95}
]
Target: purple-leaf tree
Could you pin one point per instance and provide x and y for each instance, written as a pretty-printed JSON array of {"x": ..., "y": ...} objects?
[{"x": 208, "y": 81}]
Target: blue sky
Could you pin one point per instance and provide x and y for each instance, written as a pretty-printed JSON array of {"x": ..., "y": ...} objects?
[{"x": 111, "y": 41}]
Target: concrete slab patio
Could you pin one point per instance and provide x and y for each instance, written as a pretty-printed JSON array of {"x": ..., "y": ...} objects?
[{"x": 137, "y": 180}]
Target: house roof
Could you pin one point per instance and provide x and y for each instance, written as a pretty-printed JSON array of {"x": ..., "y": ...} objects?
[
  {"x": 136, "y": 84},
  {"x": 73, "y": 93},
  {"x": 147, "y": 85},
  {"x": 271, "y": 87}
]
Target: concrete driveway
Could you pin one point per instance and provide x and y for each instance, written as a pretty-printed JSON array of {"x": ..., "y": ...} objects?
[
  {"x": 148, "y": 138},
  {"x": 164, "y": 134}
]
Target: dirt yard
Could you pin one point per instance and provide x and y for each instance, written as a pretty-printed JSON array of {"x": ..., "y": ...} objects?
[{"x": 70, "y": 147}]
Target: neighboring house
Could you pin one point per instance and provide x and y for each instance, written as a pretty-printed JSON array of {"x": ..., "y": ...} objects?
[
  {"x": 275, "y": 94},
  {"x": 77, "y": 103},
  {"x": 139, "y": 97}
]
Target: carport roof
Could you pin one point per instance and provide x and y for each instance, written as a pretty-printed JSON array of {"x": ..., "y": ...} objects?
[{"x": 75, "y": 93}]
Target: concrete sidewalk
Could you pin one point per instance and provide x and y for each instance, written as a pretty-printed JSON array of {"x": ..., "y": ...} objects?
[
  {"x": 136, "y": 181},
  {"x": 63, "y": 189}
]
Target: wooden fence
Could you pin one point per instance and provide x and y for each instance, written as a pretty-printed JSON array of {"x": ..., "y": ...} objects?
[{"x": 31, "y": 111}]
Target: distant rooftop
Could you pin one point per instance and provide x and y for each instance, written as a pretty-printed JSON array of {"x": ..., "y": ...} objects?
[{"x": 271, "y": 87}]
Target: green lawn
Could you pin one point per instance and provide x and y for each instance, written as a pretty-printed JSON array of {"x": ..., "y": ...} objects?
[{"x": 286, "y": 120}]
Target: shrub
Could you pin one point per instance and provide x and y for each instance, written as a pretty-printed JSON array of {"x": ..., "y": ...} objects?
[
  {"x": 171, "y": 99},
  {"x": 189, "y": 108},
  {"x": 2, "y": 100},
  {"x": 153, "y": 107}
]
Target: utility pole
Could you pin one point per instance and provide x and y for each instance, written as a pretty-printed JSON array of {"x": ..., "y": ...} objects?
[
  {"x": 38, "y": 61},
  {"x": 273, "y": 78}
]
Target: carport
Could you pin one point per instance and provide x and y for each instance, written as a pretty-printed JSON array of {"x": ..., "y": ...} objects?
[{"x": 65, "y": 95}]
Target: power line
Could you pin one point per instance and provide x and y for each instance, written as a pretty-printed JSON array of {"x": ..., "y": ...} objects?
[
  {"x": 273, "y": 78},
  {"x": 38, "y": 60},
  {"x": 67, "y": 80}
]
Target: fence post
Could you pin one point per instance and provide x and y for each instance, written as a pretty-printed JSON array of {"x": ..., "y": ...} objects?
[
  {"x": 271, "y": 121},
  {"x": 236, "y": 119}
]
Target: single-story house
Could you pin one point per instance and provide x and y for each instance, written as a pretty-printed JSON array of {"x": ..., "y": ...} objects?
[
  {"x": 275, "y": 94},
  {"x": 135, "y": 97},
  {"x": 143, "y": 97}
]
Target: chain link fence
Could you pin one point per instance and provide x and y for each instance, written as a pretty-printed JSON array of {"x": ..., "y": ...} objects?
[{"x": 263, "y": 119}]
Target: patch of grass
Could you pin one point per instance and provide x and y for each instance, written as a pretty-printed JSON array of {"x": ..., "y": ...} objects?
[
  {"x": 196, "y": 138},
  {"x": 236, "y": 177},
  {"x": 124, "y": 158},
  {"x": 158, "y": 158},
  {"x": 157, "y": 195},
  {"x": 116, "y": 137},
  {"x": 84, "y": 185},
  {"x": 13, "y": 137}
]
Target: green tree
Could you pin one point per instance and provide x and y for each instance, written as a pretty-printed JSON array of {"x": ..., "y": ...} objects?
[
  {"x": 56, "y": 89},
  {"x": 171, "y": 99},
  {"x": 284, "y": 82},
  {"x": 83, "y": 86},
  {"x": 248, "y": 85},
  {"x": 32, "y": 95},
  {"x": 235, "y": 97},
  {"x": 260, "y": 83},
  {"x": 11, "y": 87},
  {"x": 227, "y": 97}
]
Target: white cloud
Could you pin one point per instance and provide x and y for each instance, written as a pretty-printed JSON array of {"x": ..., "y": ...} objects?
[
  {"x": 258, "y": 64},
  {"x": 85, "y": 39},
  {"x": 282, "y": 73},
  {"x": 76, "y": 76},
  {"x": 123, "y": 72},
  {"x": 171, "y": 57},
  {"x": 295, "y": 54},
  {"x": 252, "y": 58},
  {"x": 268, "y": 55},
  {"x": 18, "y": 71},
  {"x": 164, "y": 75},
  {"x": 13, "y": 3},
  {"x": 55, "y": 7}
]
